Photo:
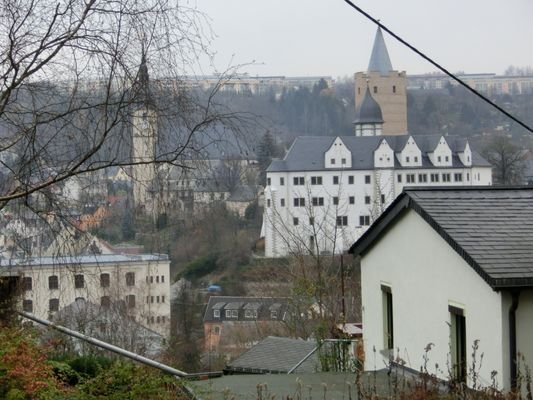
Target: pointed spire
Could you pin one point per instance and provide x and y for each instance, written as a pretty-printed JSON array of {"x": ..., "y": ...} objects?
[
  {"x": 369, "y": 112},
  {"x": 379, "y": 60},
  {"x": 142, "y": 83}
]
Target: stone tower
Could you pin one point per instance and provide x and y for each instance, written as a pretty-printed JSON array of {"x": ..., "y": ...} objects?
[
  {"x": 144, "y": 137},
  {"x": 387, "y": 87}
]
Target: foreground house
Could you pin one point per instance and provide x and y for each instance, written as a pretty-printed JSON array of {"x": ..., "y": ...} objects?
[
  {"x": 138, "y": 284},
  {"x": 452, "y": 267}
]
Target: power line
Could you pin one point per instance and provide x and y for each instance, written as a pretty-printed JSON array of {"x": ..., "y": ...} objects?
[{"x": 440, "y": 67}]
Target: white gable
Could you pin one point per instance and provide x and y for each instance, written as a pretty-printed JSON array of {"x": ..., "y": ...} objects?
[
  {"x": 466, "y": 155},
  {"x": 442, "y": 154},
  {"x": 410, "y": 156},
  {"x": 383, "y": 156},
  {"x": 338, "y": 155}
]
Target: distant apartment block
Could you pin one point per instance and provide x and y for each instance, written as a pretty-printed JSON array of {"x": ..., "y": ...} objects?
[{"x": 487, "y": 83}]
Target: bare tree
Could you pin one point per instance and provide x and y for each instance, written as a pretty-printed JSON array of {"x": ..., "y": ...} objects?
[
  {"x": 315, "y": 270},
  {"x": 74, "y": 76},
  {"x": 68, "y": 89},
  {"x": 507, "y": 160}
]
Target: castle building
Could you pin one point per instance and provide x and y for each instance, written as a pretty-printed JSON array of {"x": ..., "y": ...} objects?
[
  {"x": 388, "y": 88},
  {"x": 327, "y": 190}
]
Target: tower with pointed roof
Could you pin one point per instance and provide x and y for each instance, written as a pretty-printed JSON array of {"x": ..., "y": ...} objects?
[
  {"x": 368, "y": 116},
  {"x": 386, "y": 86},
  {"x": 144, "y": 137}
]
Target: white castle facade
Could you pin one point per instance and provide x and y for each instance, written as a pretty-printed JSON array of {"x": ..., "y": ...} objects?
[{"x": 327, "y": 190}]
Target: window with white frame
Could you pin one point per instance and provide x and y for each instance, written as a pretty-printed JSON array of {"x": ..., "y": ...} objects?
[
  {"x": 342, "y": 220},
  {"x": 299, "y": 202},
  {"x": 299, "y": 181},
  {"x": 364, "y": 220},
  {"x": 316, "y": 180},
  {"x": 317, "y": 201}
]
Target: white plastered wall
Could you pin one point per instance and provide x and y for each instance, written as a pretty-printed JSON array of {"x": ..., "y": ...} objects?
[{"x": 426, "y": 276}]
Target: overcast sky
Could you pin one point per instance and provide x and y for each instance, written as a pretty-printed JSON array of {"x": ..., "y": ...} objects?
[{"x": 327, "y": 37}]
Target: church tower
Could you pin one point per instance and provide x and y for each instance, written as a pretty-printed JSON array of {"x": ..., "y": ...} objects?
[
  {"x": 144, "y": 137},
  {"x": 387, "y": 87}
]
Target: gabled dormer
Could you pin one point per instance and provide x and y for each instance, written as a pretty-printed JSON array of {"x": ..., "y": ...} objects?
[
  {"x": 338, "y": 155},
  {"x": 383, "y": 155},
  {"x": 441, "y": 156},
  {"x": 465, "y": 155},
  {"x": 411, "y": 155}
]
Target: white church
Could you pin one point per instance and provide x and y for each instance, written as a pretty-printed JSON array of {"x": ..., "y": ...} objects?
[{"x": 327, "y": 190}]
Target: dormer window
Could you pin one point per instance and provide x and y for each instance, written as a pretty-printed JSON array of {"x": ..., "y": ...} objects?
[
  {"x": 447, "y": 158},
  {"x": 439, "y": 158},
  {"x": 273, "y": 314},
  {"x": 407, "y": 159},
  {"x": 343, "y": 161},
  {"x": 332, "y": 161},
  {"x": 416, "y": 159},
  {"x": 468, "y": 158}
]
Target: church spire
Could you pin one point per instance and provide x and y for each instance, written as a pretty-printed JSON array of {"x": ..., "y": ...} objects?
[
  {"x": 142, "y": 83},
  {"x": 379, "y": 60}
]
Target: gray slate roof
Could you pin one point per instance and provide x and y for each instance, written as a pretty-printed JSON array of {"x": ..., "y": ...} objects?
[
  {"x": 276, "y": 355},
  {"x": 80, "y": 260},
  {"x": 264, "y": 305},
  {"x": 379, "y": 60},
  {"x": 369, "y": 112},
  {"x": 490, "y": 227},
  {"x": 307, "y": 152}
]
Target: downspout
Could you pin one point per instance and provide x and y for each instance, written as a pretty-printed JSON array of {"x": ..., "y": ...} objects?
[{"x": 515, "y": 294}]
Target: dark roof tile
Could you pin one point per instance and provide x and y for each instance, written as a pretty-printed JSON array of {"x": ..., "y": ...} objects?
[{"x": 492, "y": 227}]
